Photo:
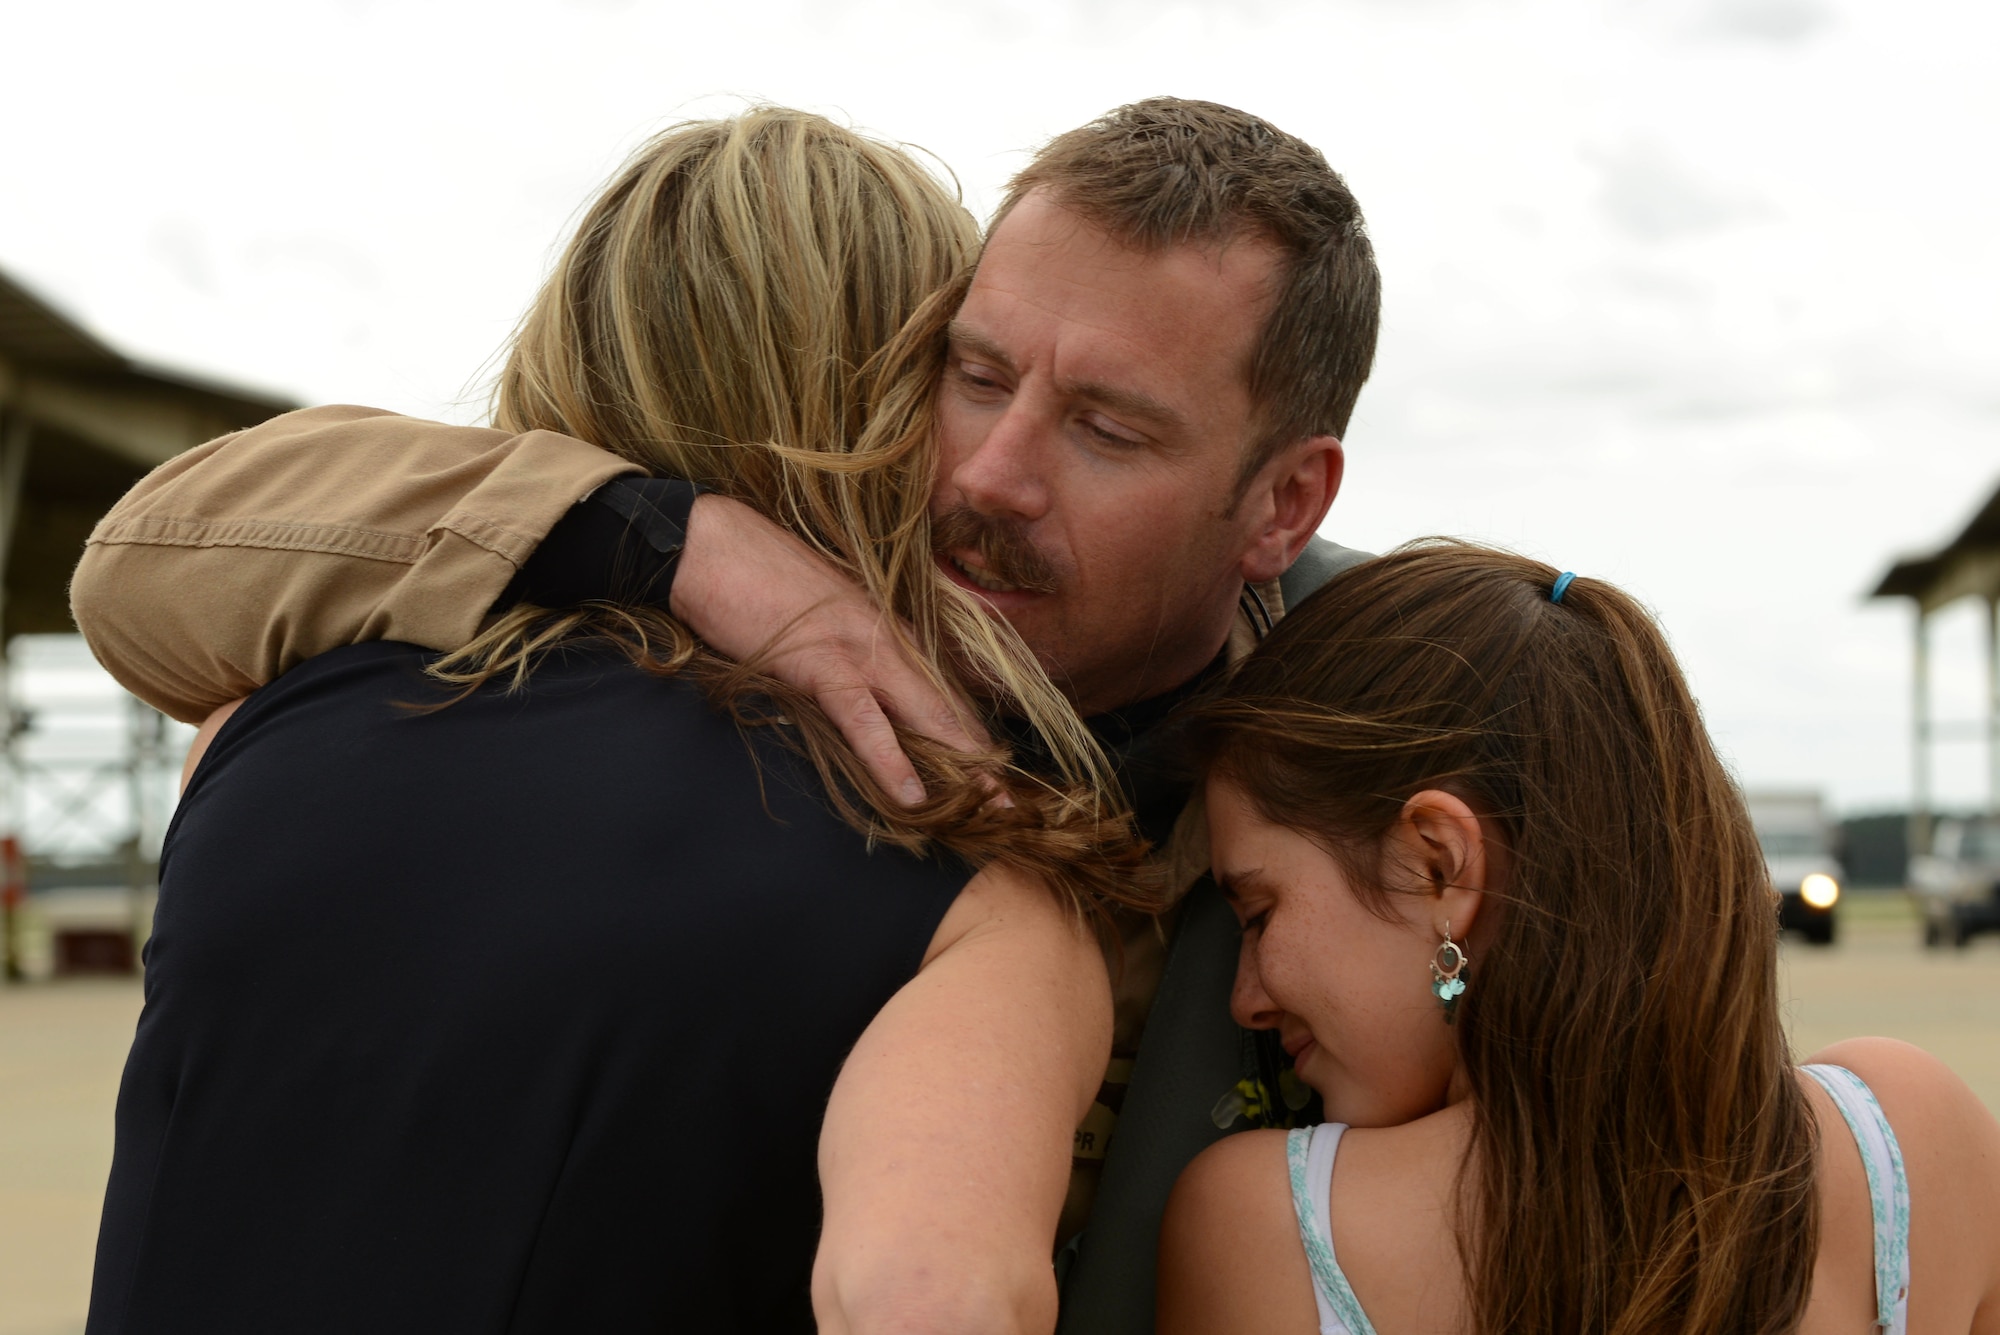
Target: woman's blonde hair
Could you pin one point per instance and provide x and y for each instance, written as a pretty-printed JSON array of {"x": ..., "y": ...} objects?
[{"x": 758, "y": 304}]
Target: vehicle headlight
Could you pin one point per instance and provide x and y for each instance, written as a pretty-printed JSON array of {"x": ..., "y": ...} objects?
[{"x": 1820, "y": 890}]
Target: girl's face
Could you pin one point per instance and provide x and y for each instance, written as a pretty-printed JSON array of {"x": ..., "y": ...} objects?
[{"x": 1347, "y": 988}]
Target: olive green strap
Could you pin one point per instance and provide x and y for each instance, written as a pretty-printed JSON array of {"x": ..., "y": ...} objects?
[
  {"x": 1191, "y": 1054},
  {"x": 1319, "y": 562}
]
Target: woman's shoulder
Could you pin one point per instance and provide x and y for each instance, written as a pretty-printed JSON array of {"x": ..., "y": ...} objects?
[
  {"x": 1925, "y": 1100},
  {"x": 1235, "y": 1193},
  {"x": 1949, "y": 1144},
  {"x": 1230, "y": 1256},
  {"x": 1224, "y": 1176}
]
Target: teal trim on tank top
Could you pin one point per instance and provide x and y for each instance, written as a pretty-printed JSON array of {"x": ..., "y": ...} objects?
[
  {"x": 1881, "y": 1161},
  {"x": 1888, "y": 1189},
  {"x": 1318, "y": 1238}
]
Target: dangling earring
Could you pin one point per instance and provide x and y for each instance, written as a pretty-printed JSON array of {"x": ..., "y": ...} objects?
[{"x": 1448, "y": 974}]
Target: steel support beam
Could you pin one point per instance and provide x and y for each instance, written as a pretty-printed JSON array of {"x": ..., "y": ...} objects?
[
  {"x": 1993, "y": 704},
  {"x": 15, "y": 437},
  {"x": 1920, "y": 738}
]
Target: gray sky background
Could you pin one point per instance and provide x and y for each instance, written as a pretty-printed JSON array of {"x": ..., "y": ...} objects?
[{"x": 1701, "y": 296}]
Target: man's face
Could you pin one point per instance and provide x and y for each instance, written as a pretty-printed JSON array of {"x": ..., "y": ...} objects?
[{"x": 1093, "y": 416}]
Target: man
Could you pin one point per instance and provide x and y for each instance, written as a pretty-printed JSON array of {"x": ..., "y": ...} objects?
[{"x": 1140, "y": 407}]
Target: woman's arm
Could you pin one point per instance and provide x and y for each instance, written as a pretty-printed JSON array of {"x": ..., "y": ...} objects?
[
  {"x": 946, "y": 1149},
  {"x": 205, "y": 736}
]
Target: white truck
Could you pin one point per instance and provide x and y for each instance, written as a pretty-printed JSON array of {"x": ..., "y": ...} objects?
[
  {"x": 1957, "y": 883},
  {"x": 1798, "y": 852}
]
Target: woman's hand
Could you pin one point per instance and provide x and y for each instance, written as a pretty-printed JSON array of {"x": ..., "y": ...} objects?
[{"x": 746, "y": 586}]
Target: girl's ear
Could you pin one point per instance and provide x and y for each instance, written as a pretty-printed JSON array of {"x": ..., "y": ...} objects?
[{"x": 1440, "y": 839}]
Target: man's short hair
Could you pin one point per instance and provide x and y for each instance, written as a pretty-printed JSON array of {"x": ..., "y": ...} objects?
[{"x": 1168, "y": 171}]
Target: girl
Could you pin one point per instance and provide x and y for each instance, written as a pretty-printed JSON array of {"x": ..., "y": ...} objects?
[{"x": 1501, "y": 901}]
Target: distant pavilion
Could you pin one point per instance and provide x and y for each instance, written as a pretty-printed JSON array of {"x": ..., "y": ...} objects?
[
  {"x": 79, "y": 424},
  {"x": 1966, "y": 567}
]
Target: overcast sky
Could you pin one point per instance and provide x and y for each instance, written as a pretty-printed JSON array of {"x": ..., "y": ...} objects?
[{"x": 1702, "y": 296}]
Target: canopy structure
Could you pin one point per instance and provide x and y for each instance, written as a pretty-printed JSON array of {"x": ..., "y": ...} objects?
[
  {"x": 1966, "y": 567},
  {"x": 79, "y": 424}
]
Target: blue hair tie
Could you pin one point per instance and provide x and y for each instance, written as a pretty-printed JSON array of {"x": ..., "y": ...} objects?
[{"x": 1562, "y": 586}]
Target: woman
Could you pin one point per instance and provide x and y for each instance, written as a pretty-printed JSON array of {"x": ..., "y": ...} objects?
[
  {"x": 509, "y": 991},
  {"x": 1501, "y": 900}
]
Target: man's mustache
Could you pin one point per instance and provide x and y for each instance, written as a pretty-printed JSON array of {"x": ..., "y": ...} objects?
[{"x": 1001, "y": 545}]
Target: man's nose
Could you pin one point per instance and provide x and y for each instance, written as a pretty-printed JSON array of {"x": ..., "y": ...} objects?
[
  {"x": 1249, "y": 1004},
  {"x": 1007, "y": 473}
]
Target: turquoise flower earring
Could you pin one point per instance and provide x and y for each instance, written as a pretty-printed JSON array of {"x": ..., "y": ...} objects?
[{"x": 1448, "y": 974}]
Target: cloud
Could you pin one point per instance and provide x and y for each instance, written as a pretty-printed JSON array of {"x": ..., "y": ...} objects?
[
  {"x": 1649, "y": 193},
  {"x": 326, "y": 261},
  {"x": 1775, "y": 21},
  {"x": 181, "y": 247}
]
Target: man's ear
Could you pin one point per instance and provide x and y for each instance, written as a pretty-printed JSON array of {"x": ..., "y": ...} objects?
[
  {"x": 1444, "y": 849},
  {"x": 1288, "y": 499}
]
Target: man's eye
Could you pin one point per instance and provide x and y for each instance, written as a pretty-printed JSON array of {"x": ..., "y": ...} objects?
[
  {"x": 979, "y": 377},
  {"x": 1110, "y": 434}
]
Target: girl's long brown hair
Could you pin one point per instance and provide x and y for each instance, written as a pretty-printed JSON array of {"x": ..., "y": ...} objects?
[
  {"x": 1642, "y": 1158},
  {"x": 758, "y": 304}
]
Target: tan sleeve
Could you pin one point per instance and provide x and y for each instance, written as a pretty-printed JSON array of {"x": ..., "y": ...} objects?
[{"x": 240, "y": 559}]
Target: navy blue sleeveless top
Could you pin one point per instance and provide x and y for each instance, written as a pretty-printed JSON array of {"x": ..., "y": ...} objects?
[{"x": 520, "y": 1015}]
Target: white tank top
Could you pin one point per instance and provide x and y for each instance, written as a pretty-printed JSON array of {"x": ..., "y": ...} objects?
[{"x": 1309, "y": 1152}]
